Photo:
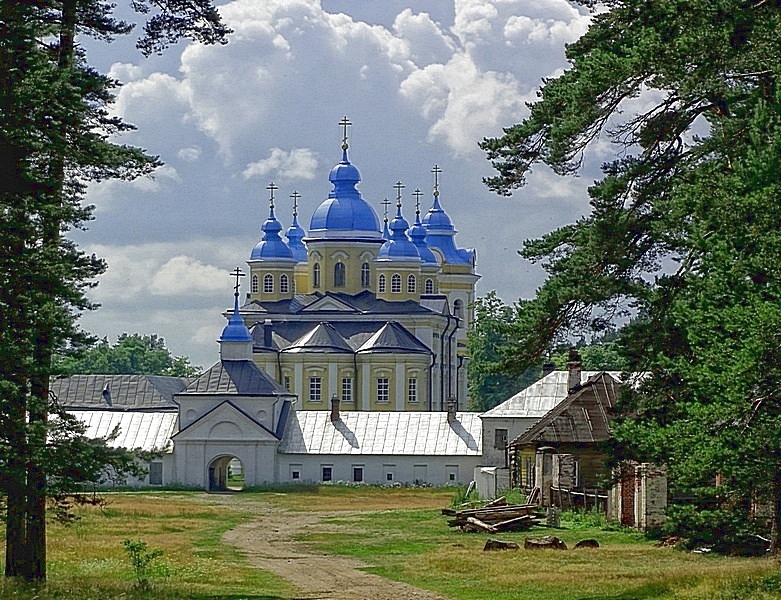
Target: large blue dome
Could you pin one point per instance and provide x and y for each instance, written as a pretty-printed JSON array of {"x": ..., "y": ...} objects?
[
  {"x": 399, "y": 247},
  {"x": 272, "y": 247},
  {"x": 344, "y": 213}
]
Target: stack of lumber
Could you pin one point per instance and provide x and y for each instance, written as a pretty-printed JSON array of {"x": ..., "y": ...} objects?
[{"x": 494, "y": 517}]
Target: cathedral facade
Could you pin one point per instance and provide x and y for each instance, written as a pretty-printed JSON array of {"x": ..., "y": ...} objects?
[{"x": 374, "y": 317}]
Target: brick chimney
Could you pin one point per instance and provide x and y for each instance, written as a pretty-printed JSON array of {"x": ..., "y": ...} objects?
[
  {"x": 451, "y": 409},
  {"x": 335, "y": 409},
  {"x": 574, "y": 368},
  {"x": 267, "y": 343}
]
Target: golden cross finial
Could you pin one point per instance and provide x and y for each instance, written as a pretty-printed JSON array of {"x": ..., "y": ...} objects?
[
  {"x": 295, "y": 196},
  {"x": 399, "y": 186},
  {"x": 237, "y": 274},
  {"x": 271, "y": 187},
  {"x": 436, "y": 170},
  {"x": 386, "y": 204},
  {"x": 345, "y": 123},
  {"x": 417, "y": 193}
]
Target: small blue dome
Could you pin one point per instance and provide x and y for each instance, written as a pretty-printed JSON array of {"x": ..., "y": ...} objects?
[
  {"x": 344, "y": 210},
  {"x": 398, "y": 247},
  {"x": 440, "y": 234},
  {"x": 236, "y": 330},
  {"x": 272, "y": 247},
  {"x": 295, "y": 234},
  {"x": 417, "y": 234}
]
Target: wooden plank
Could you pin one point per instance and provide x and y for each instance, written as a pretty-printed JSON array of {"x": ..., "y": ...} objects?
[{"x": 481, "y": 525}]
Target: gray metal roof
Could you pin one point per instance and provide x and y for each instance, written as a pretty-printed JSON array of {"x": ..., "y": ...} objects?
[
  {"x": 365, "y": 302},
  {"x": 323, "y": 338},
  {"x": 393, "y": 337},
  {"x": 383, "y": 433},
  {"x": 145, "y": 430},
  {"x": 541, "y": 396},
  {"x": 119, "y": 392},
  {"x": 237, "y": 377}
]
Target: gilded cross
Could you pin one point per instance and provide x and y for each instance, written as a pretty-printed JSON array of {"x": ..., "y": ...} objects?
[
  {"x": 417, "y": 193},
  {"x": 271, "y": 187},
  {"x": 237, "y": 274},
  {"x": 399, "y": 186},
  {"x": 295, "y": 196},
  {"x": 345, "y": 123},
  {"x": 436, "y": 170}
]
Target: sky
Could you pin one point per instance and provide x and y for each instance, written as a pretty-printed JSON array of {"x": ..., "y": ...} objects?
[{"x": 421, "y": 82}]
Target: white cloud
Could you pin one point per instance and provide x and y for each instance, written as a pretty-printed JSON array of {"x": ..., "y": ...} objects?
[
  {"x": 299, "y": 163},
  {"x": 190, "y": 154},
  {"x": 184, "y": 275}
]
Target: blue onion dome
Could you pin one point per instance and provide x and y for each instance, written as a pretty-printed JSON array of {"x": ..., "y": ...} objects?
[
  {"x": 417, "y": 234},
  {"x": 295, "y": 234},
  {"x": 440, "y": 234},
  {"x": 236, "y": 330},
  {"x": 345, "y": 213},
  {"x": 399, "y": 246},
  {"x": 272, "y": 246}
]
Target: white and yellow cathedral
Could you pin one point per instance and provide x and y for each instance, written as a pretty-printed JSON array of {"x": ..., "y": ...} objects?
[{"x": 376, "y": 317}]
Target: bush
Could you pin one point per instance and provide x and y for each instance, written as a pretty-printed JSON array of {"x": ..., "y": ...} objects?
[
  {"x": 141, "y": 559},
  {"x": 723, "y": 531}
]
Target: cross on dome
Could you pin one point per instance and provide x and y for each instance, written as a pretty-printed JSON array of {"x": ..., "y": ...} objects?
[
  {"x": 417, "y": 193},
  {"x": 271, "y": 187},
  {"x": 399, "y": 186},
  {"x": 345, "y": 123},
  {"x": 386, "y": 203},
  {"x": 237, "y": 274},
  {"x": 295, "y": 196},
  {"x": 436, "y": 170}
]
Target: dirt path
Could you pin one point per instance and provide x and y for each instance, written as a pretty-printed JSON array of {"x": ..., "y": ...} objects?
[{"x": 269, "y": 543}]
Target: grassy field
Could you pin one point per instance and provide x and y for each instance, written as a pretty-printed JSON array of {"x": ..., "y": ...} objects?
[{"x": 398, "y": 531}]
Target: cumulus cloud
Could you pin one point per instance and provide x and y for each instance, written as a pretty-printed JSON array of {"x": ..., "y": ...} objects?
[
  {"x": 184, "y": 275},
  {"x": 190, "y": 154},
  {"x": 299, "y": 163}
]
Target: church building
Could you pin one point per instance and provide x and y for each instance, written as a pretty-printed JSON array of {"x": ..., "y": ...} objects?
[{"x": 374, "y": 317}]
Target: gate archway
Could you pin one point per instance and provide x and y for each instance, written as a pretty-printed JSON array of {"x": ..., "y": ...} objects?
[{"x": 226, "y": 473}]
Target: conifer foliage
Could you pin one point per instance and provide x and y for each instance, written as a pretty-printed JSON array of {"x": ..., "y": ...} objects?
[
  {"x": 55, "y": 133},
  {"x": 684, "y": 233}
]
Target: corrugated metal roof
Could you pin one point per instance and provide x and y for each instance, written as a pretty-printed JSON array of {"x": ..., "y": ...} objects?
[
  {"x": 145, "y": 430},
  {"x": 126, "y": 392},
  {"x": 540, "y": 397},
  {"x": 383, "y": 433}
]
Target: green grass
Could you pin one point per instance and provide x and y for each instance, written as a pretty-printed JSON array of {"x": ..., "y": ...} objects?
[{"x": 398, "y": 532}]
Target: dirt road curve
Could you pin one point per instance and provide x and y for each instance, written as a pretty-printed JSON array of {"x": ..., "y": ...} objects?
[{"x": 268, "y": 542}]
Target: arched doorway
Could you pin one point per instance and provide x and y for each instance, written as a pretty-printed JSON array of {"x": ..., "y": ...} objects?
[{"x": 226, "y": 473}]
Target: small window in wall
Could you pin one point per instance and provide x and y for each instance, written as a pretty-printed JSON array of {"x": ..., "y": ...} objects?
[
  {"x": 295, "y": 472},
  {"x": 255, "y": 284},
  {"x": 268, "y": 283},
  {"x": 328, "y": 473},
  {"x": 396, "y": 284},
  {"x": 315, "y": 389},
  {"x": 411, "y": 284},
  {"x": 381, "y": 284},
  {"x": 347, "y": 389},
  {"x": 284, "y": 284},
  {"x": 388, "y": 476},
  {"x": 339, "y": 275},
  {"x": 451, "y": 473},
  {"x": 383, "y": 389},
  {"x": 358, "y": 474},
  {"x": 155, "y": 473},
  {"x": 429, "y": 286},
  {"x": 412, "y": 389},
  {"x": 365, "y": 275},
  {"x": 286, "y": 382},
  {"x": 389, "y": 472},
  {"x": 500, "y": 439},
  {"x": 316, "y": 275}
]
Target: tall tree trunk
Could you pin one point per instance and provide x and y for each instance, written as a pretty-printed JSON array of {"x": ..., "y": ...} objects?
[{"x": 775, "y": 519}]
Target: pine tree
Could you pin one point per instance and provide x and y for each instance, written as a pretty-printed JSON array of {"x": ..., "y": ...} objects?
[
  {"x": 683, "y": 235},
  {"x": 54, "y": 139}
]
